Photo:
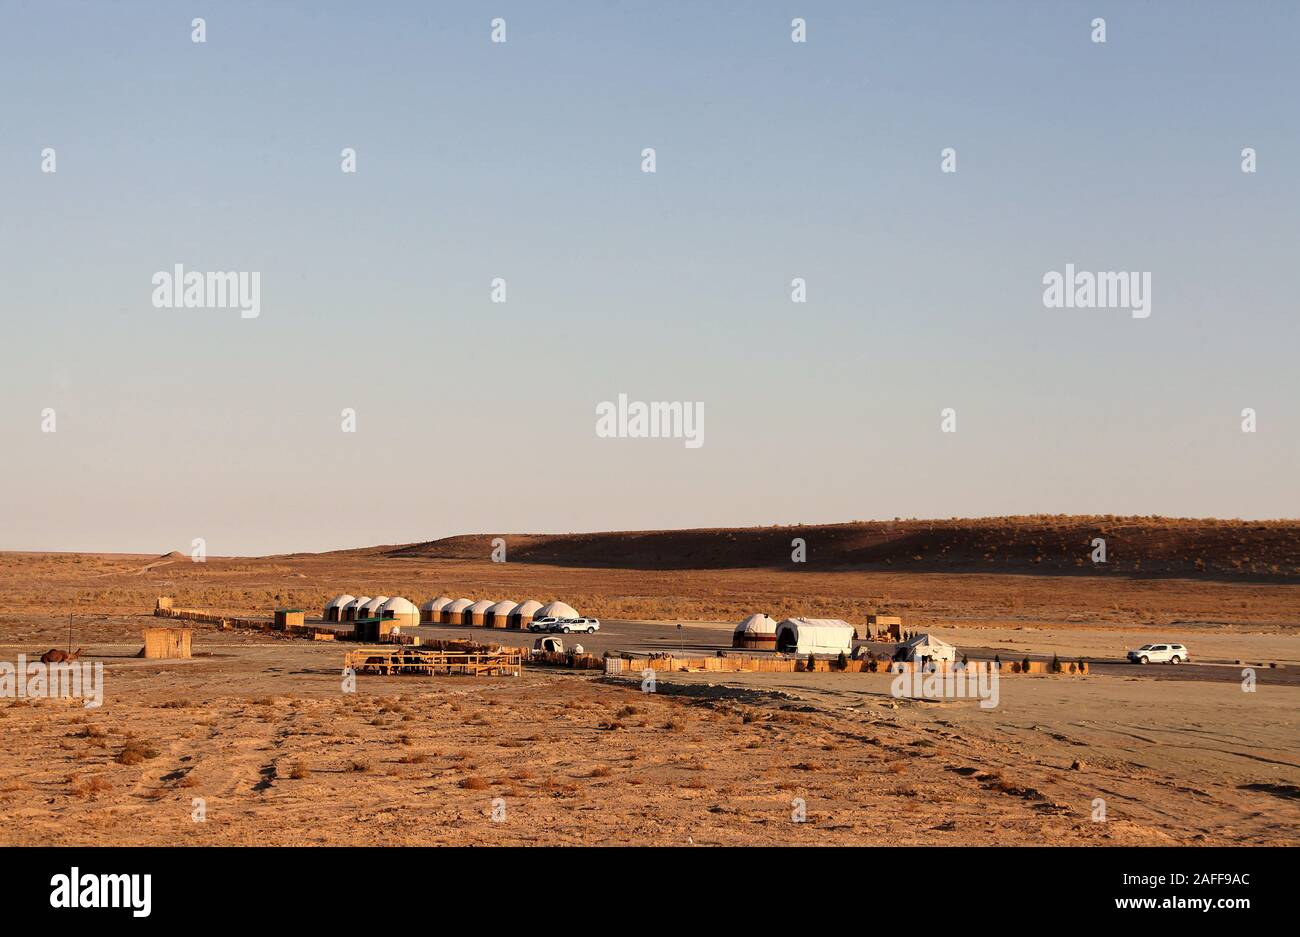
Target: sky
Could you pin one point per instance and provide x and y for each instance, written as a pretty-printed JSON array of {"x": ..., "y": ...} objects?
[{"x": 523, "y": 160}]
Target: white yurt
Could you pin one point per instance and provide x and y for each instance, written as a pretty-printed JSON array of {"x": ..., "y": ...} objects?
[
  {"x": 334, "y": 607},
  {"x": 371, "y": 608},
  {"x": 350, "y": 611},
  {"x": 523, "y": 614},
  {"x": 814, "y": 636},
  {"x": 431, "y": 611},
  {"x": 474, "y": 614},
  {"x": 453, "y": 613},
  {"x": 926, "y": 647},
  {"x": 402, "y": 610},
  {"x": 498, "y": 616},
  {"x": 757, "y": 631},
  {"x": 556, "y": 610}
]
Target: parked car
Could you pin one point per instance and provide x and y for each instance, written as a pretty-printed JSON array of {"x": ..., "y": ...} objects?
[
  {"x": 542, "y": 624},
  {"x": 1159, "y": 654},
  {"x": 566, "y": 625}
]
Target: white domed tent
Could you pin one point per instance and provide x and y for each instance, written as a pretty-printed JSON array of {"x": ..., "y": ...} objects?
[
  {"x": 814, "y": 636},
  {"x": 431, "y": 611},
  {"x": 352, "y": 609},
  {"x": 334, "y": 607},
  {"x": 474, "y": 614},
  {"x": 453, "y": 613},
  {"x": 926, "y": 647},
  {"x": 498, "y": 616},
  {"x": 523, "y": 614},
  {"x": 757, "y": 631},
  {"x": 404, "y": 612},
  {"x": 371, "y": 608},
  {"x": 556, "y": 610}
]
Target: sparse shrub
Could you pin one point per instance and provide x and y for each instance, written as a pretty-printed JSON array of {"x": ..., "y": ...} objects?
[
  {"x": 85, "y": 787},
  {"x": 134, "y": 752},
  {"x": 473, "y": 783},
  {"x": 299, "y": 771}
]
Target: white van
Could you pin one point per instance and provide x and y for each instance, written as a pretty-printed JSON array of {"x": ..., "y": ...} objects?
[{"x": 1159, "y": 654}]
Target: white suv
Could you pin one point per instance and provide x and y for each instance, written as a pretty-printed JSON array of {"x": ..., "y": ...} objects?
[
  {"x": 1159, "y": 654},
  {"x": 566, "y": 625},
  {"x": 542, "y": 624}
]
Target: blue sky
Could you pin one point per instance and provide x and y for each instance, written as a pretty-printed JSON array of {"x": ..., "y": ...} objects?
[{"x": 522, "y": 160}]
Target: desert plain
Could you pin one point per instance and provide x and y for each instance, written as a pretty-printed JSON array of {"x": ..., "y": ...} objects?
[{"x": 254, "y": 741}]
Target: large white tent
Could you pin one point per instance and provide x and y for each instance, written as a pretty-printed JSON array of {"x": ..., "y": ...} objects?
[
  {"x": 523, "y": 614},
  {"x": 431, "y": 611},
  {"x": 474, "y": 614},
  {"x": 402, "y": 610},
  {"x": 926, "y": 647},
  {"x": 334, "y": 607},
  {"x": 498, "y": 616},
  {"x": 556, "y": 610},
  {"x": 757, "y": 631},
  {"x": 453, "y": 613},
  {"x": 351, "y": 610},
  {"x": 814, "y": 636},
  {"x": 371, "y": 608}
]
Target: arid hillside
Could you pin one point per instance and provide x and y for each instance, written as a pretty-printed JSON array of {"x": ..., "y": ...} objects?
[{"x": 1153, "y": 546}]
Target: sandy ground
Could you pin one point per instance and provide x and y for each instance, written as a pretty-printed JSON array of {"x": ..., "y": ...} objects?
[{"x": 260, "y": 731}]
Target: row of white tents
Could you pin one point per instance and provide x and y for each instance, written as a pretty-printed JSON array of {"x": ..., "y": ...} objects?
[
  {"x": 824, "y": 636},
  {"x": 445, "y": 610}
]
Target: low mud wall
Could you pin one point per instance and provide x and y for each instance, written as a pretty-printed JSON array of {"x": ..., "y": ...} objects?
[{"x": 741, "y": 664}]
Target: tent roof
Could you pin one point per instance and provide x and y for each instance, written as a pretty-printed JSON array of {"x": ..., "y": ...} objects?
[
  {"x": 927, "y": 640},
  {"x": 527, "y": 607},
  {"x": 339, "y": 601},
  {"x": 758, "y": 624},
  {"x": 376, "y": 603},
  {"x": 457, "y": 606},
  {"x": 361, "y": 600},
  {"x": 504, "y": 607},
  {"x": 481, "y": 606},
  {"x": 556, "y": 610},
  {"x": 435, "y": 605},
  {"x": 399, "y": 606},
  {"x": 836, "y": 624}
]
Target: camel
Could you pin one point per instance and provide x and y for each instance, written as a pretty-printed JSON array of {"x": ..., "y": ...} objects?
[{"x": 55, "y": 656}]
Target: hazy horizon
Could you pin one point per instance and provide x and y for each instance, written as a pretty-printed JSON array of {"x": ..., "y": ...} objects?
[{"x": 523, "y": 160}]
